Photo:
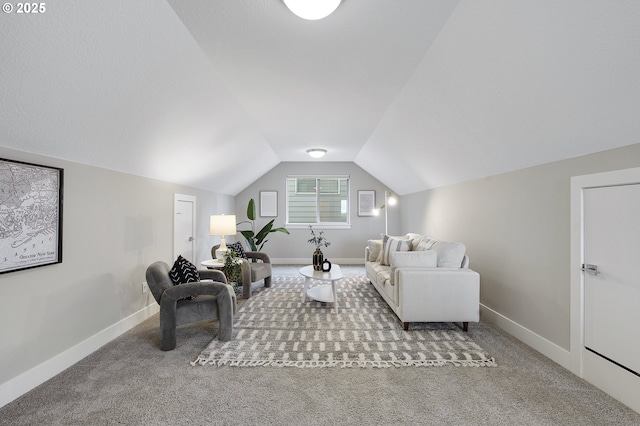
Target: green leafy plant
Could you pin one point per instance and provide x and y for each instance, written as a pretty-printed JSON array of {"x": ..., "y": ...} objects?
[
  {"x": 257, "y": 240},
  {"x": 232, "y": 268},
  {"x": 318, "y": 240}
]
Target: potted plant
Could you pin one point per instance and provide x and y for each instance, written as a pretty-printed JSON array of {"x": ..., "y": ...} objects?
[
  {"x": 233, "y": 270},
  {"x": 257, "y": 240}
]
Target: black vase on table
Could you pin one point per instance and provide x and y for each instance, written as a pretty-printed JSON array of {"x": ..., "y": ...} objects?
[{"x": 318, "y": 259}]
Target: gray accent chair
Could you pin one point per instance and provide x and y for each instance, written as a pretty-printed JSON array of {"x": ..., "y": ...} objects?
[
  {"x": 257, "y": 268},
  {"x": 214, "y": 301}
]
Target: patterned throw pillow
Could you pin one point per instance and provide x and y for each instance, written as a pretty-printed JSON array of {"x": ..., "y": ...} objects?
[
  {"x": 426, "y": 243},
  {"x": 393, "y": 244},
  {"x": 184, "y": 272},
  {"x": 237, "y": 247}
]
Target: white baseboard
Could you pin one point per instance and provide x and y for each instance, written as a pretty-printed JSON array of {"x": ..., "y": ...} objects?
[
  {"x": 39, "y": 374},
  {"x": 307, "y": 261},
  {"x": 528, "y": 337}
]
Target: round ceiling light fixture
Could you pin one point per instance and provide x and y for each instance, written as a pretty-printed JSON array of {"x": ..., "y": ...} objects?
[
  {"x": 316, "y": 152},
  {"x": 312, "y": 9}
]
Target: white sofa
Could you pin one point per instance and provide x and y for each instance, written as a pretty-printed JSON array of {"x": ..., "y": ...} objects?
[{"x": 423, "y": 279}]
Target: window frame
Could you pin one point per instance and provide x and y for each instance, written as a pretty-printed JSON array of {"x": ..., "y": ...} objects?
[{"x": 318, "y": 224}]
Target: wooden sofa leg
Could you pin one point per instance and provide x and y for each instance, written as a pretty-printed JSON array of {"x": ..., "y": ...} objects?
[
  {"x": 405, "y": 325},
  {"x": 465, "y": 326}
]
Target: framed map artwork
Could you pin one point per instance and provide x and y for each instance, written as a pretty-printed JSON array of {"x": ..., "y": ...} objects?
[{"x": 30, "y": 215}]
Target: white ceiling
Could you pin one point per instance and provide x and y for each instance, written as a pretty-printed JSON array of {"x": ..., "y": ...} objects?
[{"x": 420, "y": 93}]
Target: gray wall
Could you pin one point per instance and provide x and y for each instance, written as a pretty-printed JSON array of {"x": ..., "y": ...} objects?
[
  {"x": 106, "y": 249},
  {"x": 517, "y": 230},
  {"x": 346, "y": 245}
]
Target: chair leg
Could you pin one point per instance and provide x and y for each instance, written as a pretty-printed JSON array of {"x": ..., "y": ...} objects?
[
  {"x": 465, "y": 326},
  {"x": 167, "y": 335},
  {"x": 267, "y": 281},
  {"x": 246, "y": 289},
  {"x": 405, "y": 325}
]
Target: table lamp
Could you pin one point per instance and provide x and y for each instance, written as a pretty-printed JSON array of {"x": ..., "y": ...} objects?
[{"x": 222, "y": 225}]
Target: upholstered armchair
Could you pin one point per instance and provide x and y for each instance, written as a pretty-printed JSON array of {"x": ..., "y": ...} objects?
[
  {"x": 255, "y": 268},
  {"x": 213, "y": 301}
]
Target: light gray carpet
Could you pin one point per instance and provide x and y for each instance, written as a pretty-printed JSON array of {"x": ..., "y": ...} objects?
[{"x": 130, "y": 381}]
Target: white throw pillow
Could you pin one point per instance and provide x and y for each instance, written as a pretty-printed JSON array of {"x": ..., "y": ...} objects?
[
  {"x": 375, "y": 250},
  {"x": 415, "y": 239},
  {"x": 393, "y": 244},
  {"x": 450, "y": 254}
]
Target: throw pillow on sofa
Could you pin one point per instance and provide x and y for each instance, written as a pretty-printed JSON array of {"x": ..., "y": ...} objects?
[
  {"x": 393, "y": 244},
  {"x": 425, "y": 243},
  {"x": 450, "y": 254},
  {"x": 375, "y": 250}
]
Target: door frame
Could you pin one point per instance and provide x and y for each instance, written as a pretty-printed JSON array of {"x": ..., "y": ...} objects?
[
  {"x": 614, "y": 380},
  {"x": 190, "y": 199}
]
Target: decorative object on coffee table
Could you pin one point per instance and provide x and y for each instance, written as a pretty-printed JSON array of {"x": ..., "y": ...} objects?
[{"x": 318, "y": 240}]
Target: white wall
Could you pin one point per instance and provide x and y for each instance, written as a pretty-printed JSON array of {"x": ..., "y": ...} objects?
[
  {"x": 517, "y": 230},
  {"x": 114, "y": 226},
  {"x": 347, "y": 245}
]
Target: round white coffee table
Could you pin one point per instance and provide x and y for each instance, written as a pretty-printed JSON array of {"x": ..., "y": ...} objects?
[{"x": 322, "y": 292}]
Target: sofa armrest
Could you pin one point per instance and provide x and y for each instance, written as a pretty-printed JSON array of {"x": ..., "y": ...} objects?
[
  {"x": 213, "y": 275},
  {"x": 444, "y": 294},
  {"x": 258, "y": 255}
]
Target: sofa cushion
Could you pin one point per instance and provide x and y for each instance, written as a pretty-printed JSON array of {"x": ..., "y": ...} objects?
[
  {"x": 393, "y": 244},
  {"x": 412, "y": 259},
  {"x": 450, "y": 254},
  {"x": 425, "y": 243},
  {"x": 417, "y": 259},
  {"x": 375, "y": 250}
]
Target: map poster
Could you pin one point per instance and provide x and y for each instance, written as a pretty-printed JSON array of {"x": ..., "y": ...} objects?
[{"x": 30, "y": 215}]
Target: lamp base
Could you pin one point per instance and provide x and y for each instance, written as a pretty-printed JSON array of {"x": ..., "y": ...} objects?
[{"x": 221, "y": 253}]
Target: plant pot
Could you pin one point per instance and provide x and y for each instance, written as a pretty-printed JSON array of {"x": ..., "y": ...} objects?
[{"x": 318, "y": 259}]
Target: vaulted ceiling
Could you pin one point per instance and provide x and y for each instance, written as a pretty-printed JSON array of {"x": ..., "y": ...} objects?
[{"x": 419, "y": 93}]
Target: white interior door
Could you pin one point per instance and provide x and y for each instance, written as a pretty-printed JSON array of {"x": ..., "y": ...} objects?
[
  {"x": 612, "y": 292},
  {"x": 184, "y": 227}
]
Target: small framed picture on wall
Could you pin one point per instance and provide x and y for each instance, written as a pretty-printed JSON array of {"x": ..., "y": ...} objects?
[
  {"x": 268, "y": 203},
  {"x": 366, "y": 203}
]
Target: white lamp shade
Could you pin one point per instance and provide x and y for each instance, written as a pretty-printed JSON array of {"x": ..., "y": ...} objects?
[
  {"x": 312, "y": 9},
  {"x": 222, "y": 224}
]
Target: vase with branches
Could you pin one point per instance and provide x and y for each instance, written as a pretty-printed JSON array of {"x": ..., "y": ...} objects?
[{"x": 318, "y": 240}]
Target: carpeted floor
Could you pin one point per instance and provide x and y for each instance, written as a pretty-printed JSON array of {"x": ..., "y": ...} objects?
[{"x": 130, "y": 381}]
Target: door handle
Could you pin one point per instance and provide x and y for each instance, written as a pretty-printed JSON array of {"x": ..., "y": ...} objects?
[{"x": 590, "y": 269}]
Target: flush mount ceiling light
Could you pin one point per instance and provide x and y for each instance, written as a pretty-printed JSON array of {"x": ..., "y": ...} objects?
[
  {"x": 312, "y": 9},
  {"x": 316, "y": 152}
]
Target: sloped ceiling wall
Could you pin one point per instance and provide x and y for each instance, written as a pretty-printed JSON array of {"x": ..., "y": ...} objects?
[{"x": 419, "y": 93}]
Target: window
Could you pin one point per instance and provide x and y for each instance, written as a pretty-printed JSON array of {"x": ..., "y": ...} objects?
[{"x": 318, "y": 200}]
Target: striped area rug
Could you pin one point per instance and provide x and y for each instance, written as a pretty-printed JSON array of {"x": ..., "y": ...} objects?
[{"x": 274, "y": 328}]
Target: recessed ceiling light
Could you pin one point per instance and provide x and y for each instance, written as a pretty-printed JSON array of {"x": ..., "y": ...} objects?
[
  {"x": 316, "y": 152},
  {"x": 312, "y": 9}
]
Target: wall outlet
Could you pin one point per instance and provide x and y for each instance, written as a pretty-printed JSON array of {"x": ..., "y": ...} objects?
[{"x": 145, "y": 287}]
